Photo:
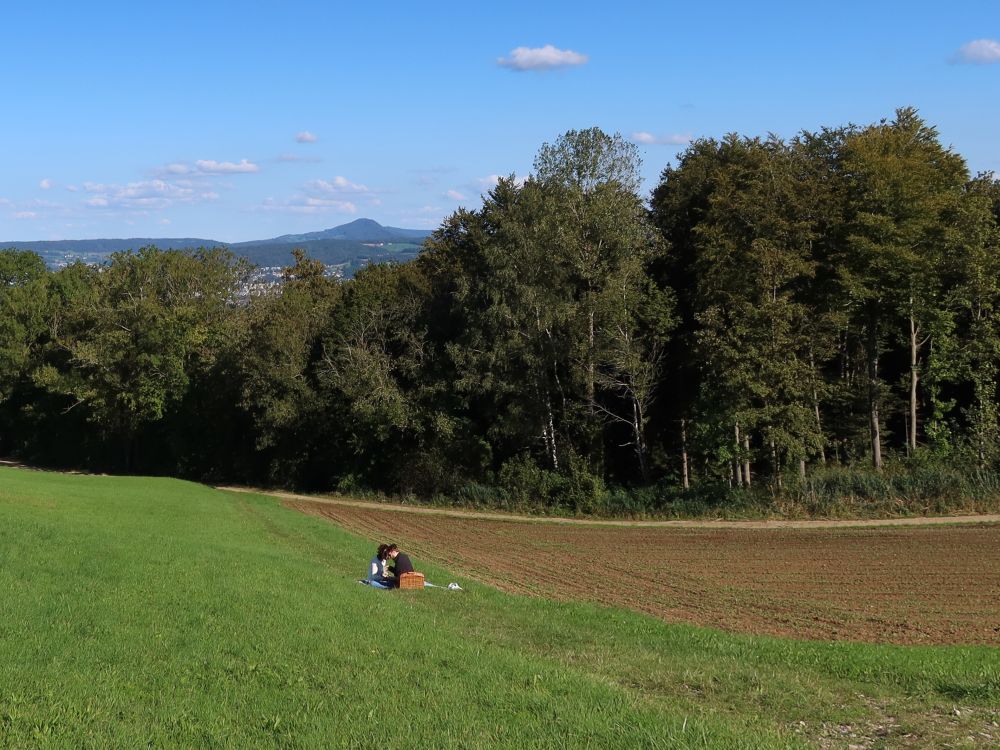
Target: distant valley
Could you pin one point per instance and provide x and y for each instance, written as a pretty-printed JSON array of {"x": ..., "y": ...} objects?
[{"x": 347, "y": 247}]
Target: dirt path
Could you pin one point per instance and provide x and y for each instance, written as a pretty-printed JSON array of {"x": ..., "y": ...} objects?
[{"x": 678, "y": 524}]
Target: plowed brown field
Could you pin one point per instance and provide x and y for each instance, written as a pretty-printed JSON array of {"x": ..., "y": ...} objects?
[{"x": 934, "y": 584}]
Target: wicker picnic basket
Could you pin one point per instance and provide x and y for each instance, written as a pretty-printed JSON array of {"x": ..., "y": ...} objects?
[{"x": 411, "y": 581}]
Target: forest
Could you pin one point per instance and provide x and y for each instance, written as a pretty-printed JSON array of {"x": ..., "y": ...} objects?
[{"x": 814, "y": 319}]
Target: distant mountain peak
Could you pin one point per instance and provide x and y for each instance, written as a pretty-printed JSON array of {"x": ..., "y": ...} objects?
[
  {"x": 359, "y": 230},
  {"x": 362, "y": 223}
]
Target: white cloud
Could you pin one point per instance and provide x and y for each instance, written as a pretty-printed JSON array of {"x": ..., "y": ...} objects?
[
  {"x": 429, "y": 210},
  {"x": 45, "y": 184},
  {"x": 144, "y": 195},
  {"x": 338, "y": 185},
  {"x": 979, "y": 52},
  {"x": 649, "y": 139},
  {"x": 305, "y": 137},
  {"x": 202, "y": 168},
  {"x": 31, "y": 209},
  {"x": 304, "y": 204},
  {"x": 72, "y": 188},
  {"x": 455, "y": 195},
  {"x": 209, "y": 166},
  {"x": 164, "y": 221},
  {"x": 178, "y": 169},
  {"x": 541, "y": 58},
  {"x": 335, "y": 195}
]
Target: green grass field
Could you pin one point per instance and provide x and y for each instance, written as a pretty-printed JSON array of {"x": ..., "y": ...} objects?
[{"x": 140, "y": 612}]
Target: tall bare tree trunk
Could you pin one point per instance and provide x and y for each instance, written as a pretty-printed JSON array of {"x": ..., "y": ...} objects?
[
  {"x": 640, "y": 442},
  {"x": 552, "y": 437},
  {"x": 873, "y": 393},
  {"x": 774, "y": 463},
  {"x": 876, "y": 437},
  {"x": 980, "y": 436},
  {"x": 819, "y": 429},
  {"x": 819, "y": 422},
  {"x": 549, "y": 435},
  {"x": 746, "y": 457},
  {"x": 914, "y": 377},
  {"x": 591, "y": 371},
  {"x": 684, "y": 455},
  {"x": 736, "y": 459}
]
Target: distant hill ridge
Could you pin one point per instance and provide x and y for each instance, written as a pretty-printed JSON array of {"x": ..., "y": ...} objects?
[
  {"x": 359, "y": 230},
  {"x": 350, "y": 245},
  {"x": 110, "y": 245}
]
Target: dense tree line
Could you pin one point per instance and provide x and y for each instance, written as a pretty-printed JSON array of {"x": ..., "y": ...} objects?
[{"x": 779, "y": 308}]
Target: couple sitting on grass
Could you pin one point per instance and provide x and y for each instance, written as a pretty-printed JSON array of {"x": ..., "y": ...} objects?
[{"x": 380, "y": 575}]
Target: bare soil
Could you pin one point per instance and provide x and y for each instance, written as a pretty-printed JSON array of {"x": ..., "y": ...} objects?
[{"x": 906, "y": 584}]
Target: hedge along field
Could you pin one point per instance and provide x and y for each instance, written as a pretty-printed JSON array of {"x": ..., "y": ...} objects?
[{"x": 138, "y": 611}]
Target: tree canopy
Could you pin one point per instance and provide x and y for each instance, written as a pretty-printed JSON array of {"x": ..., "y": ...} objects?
[{"x": 776, "y": 307}]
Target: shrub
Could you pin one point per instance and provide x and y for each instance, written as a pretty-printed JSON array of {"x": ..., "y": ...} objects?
[{"x": 574, "y": 489}]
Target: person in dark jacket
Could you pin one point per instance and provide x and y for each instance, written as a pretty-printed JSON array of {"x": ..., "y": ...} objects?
[{"x": 400, "y": 563}]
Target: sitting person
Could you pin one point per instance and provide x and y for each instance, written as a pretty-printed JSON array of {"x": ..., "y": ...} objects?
[
  {"x": 378, "y": 576},
  {"x": 400, "y": 563}
]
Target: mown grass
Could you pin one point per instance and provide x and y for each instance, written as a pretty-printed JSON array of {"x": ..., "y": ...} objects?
[{"x": 150, "y": 612}]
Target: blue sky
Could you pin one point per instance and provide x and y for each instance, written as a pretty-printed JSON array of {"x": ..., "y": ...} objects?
[{"x": 236, "y": 121}]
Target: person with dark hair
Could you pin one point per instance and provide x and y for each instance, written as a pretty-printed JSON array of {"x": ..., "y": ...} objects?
[
  {"x": 400, "y": 563},
  {"x": 378, "y": 576}
]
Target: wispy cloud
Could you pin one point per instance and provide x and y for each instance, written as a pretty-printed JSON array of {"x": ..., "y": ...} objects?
[
  {"x": 455, "y": 195},
  {"x": 339, "y": 185},
  {"x": 209, "y": 166},
  {"x": 144, "y": 195},
  {"x": 32, "y": 209},
  {"x": 649, "y": 139},
  {"x": 541, "y": 58},
  {"x": 979, "y": 52},
  {"x": 205, "y": 167},
  {"x": 337, "y": 195},
  {"x": 178, "y": 168},
  {"x": 305, "y": 204},
  {"x": 293, "y": 158},
  {"x": 305, "y": 137},
  {"x": 45, "y": 184}
]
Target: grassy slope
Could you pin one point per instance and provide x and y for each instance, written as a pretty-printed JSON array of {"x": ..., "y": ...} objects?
[{"x": 144, "y": 611}]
